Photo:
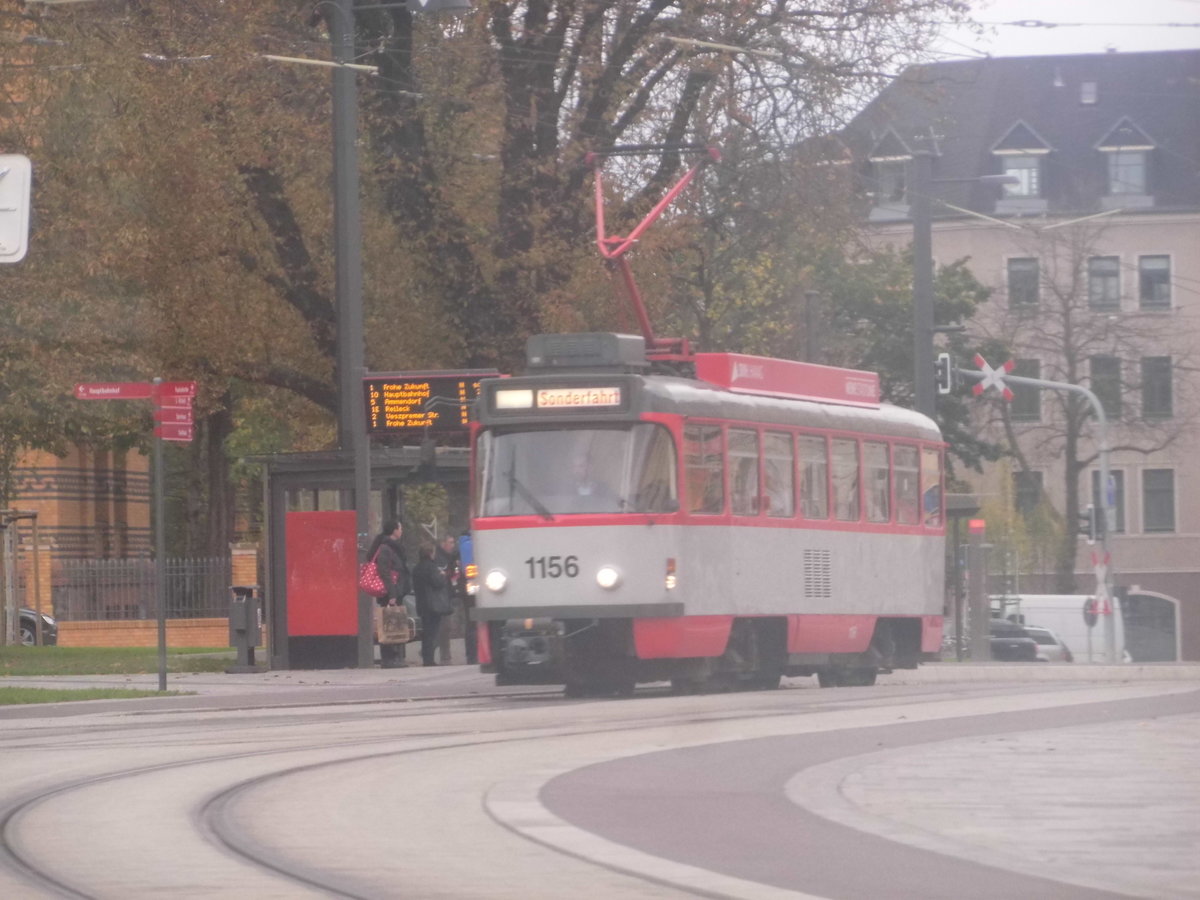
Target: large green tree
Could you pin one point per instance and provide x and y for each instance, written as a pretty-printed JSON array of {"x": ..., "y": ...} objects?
[{"x": 183, "y": 219}]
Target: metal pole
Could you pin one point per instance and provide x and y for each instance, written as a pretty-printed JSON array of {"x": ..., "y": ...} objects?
[
  {"x": 1104, "y": 578},
  {"x": 347, "y": 223},
  {"x": 160, "y": 555},
  {"x": 922, "y": 218},
  {"x": 37, "y": 580},
  {"x": 977, "y": 601}
]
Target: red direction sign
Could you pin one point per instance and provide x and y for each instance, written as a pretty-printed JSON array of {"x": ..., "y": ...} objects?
[
  {"x": 171, "y": 432},
  {"x": 176, "y": 389},
  {"x": 114, "y": 390},
  {"x": 173, "y": 402},
  {"x": 174, "y": 416},
  {"x": 993, "y": 378}
]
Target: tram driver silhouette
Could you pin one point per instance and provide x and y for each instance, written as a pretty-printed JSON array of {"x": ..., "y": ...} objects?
[{"x": 589, "y": 491}]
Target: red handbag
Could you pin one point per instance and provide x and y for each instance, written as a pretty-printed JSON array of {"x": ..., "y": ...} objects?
[{"x": 369, "y": 579}]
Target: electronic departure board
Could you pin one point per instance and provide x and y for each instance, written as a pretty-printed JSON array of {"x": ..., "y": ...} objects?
[{"x": 422, "y": 401}]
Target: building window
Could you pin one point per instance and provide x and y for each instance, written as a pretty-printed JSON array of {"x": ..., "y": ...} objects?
[
  {"x": 1104, "y": 282},
  {"x": 1089, "y": 93},
  {"x": 1023, "y": 281},
  {"x": 1027, "y": 171},
  {"x": 893, "y": 182},
  {"x": 1026, "y": 405},
  {"x": 1116, "y": 497},
  {"x": 1156, "y": 387},
  {"x": 1027, "y": 491},
  {"x": 1158, "y": 500},
  {"x": 1154, "y": 282},
  {"x": 1106, "y": 383},
  {"x": 1126, "y": 172}
]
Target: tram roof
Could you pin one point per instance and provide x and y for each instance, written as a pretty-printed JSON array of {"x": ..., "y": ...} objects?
[{"x": 697, "y": 398}]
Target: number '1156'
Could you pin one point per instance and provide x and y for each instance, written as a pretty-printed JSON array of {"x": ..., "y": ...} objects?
[{"x": 553, "y": 566}]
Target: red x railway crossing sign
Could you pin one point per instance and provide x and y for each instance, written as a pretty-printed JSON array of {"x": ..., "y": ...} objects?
[{"x": 993, "y": 378}]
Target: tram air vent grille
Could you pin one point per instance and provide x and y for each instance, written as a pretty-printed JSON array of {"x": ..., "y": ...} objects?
[{"x": 818, "y": 574}]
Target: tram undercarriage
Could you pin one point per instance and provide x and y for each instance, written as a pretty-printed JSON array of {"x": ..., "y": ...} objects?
[{"x": 597, "y": 657}]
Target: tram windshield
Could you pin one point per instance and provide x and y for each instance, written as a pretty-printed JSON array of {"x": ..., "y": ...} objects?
[{"x": 623, "y": 469}]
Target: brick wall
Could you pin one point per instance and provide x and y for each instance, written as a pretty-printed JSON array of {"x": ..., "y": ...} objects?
[{"x": 144, "y": 633}]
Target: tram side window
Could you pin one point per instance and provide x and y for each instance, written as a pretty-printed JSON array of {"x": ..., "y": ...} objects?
[
  {"x": 904, "y": 463},
  {"x": 743, "y": 467},
  {"x": 814, "y": 477},
  {"x": 779, "y": 467},
  {"x": 879, "y": 486},
  {"x": 704, "y": 459},
  {"x": 931, "y": 486},
  {"x": 845, "y": 480}
]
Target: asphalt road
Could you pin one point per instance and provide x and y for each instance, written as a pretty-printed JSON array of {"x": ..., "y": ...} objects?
[{"x": 434, "y": 784}]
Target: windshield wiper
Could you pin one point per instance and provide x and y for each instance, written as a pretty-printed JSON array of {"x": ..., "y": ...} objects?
[{"x": 529, "y": 497}]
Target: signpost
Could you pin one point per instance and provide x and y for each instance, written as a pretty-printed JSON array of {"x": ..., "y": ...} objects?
[
  {"x": 173, "y": 422},
  {"x": 1000, "y": 378}
]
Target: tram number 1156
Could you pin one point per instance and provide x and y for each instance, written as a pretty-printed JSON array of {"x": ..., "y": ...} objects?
[{"x": 553, "y": 566}]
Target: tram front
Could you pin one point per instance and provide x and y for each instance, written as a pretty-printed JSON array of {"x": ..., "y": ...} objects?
[{"x": 576, "y": 491}]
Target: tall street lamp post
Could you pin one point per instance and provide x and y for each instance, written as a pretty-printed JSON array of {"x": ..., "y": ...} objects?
[
  {"x": 921, "y": 211},
  {"x": 347, "y": 224}
]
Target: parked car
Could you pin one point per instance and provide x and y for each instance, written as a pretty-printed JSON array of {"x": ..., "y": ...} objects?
[
  {"x": 1010, "y": 642},
  {"x": 29, "y": 628},
  {"x": 1050, "y": 645}
]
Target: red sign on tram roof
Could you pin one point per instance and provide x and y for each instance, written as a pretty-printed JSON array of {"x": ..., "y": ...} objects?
[{"x": 789, "y": 378}]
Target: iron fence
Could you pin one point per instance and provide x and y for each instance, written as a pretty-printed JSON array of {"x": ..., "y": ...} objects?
[{"x": 92, "y": 589}]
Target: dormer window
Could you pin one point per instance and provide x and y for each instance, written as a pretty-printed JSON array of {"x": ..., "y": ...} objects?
[
  {"x": 1127, "y": 149},
  {"x": 1020, "y": 153},
  {"x": 1027, "y": 170},
  {"x": 1127, "y": 172},
  {"x": 889, "y": 169}
]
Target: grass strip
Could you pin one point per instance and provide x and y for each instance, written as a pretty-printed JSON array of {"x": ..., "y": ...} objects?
[
  {"x": 15, "y": 696},
  {"x": 36, "y": 661}
]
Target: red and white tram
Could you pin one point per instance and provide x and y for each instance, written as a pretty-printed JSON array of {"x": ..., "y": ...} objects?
[{"x": 727, "y": 520}]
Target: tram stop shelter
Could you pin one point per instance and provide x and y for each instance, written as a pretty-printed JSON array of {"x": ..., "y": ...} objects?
[{"x": 310, "y": 594}]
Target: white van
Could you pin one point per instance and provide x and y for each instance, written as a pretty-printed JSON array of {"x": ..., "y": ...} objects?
[{"x": 1064, "y": 615}]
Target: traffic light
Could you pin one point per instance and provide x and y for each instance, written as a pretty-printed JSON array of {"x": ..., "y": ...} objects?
[
  {"x": 943, "y": 373},
  {"x": 1091, "y": 524}
]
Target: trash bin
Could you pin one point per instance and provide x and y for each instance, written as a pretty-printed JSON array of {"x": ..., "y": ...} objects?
[{"x": 245, "y": 626}]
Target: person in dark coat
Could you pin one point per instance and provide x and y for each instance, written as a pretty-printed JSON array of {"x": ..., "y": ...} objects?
[
  {"x": 433, "y": 601},
  {"x": 394, "y": 572},
  {"x": 446, "y": 559}
]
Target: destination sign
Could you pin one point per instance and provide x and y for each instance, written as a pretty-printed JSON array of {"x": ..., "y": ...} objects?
[
  {"x": 418, "y": 401},
  {"x": 578, "y": 398}
]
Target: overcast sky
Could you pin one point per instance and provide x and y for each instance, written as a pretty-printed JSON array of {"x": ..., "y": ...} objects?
[{"x": 1082, "y": 26}]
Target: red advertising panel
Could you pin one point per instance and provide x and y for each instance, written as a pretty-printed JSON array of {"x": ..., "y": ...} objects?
[
  {"x": 114, "y": 390},
  {"x": 322, "y": 573},
  {"x": 789, "y": 378}
]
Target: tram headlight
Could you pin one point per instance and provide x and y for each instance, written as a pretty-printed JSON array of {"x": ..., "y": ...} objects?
[
  {"x": 496, "y": 581},
  {"x": 671, "y": 580},
  {"x": 608, "y": 577}
]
